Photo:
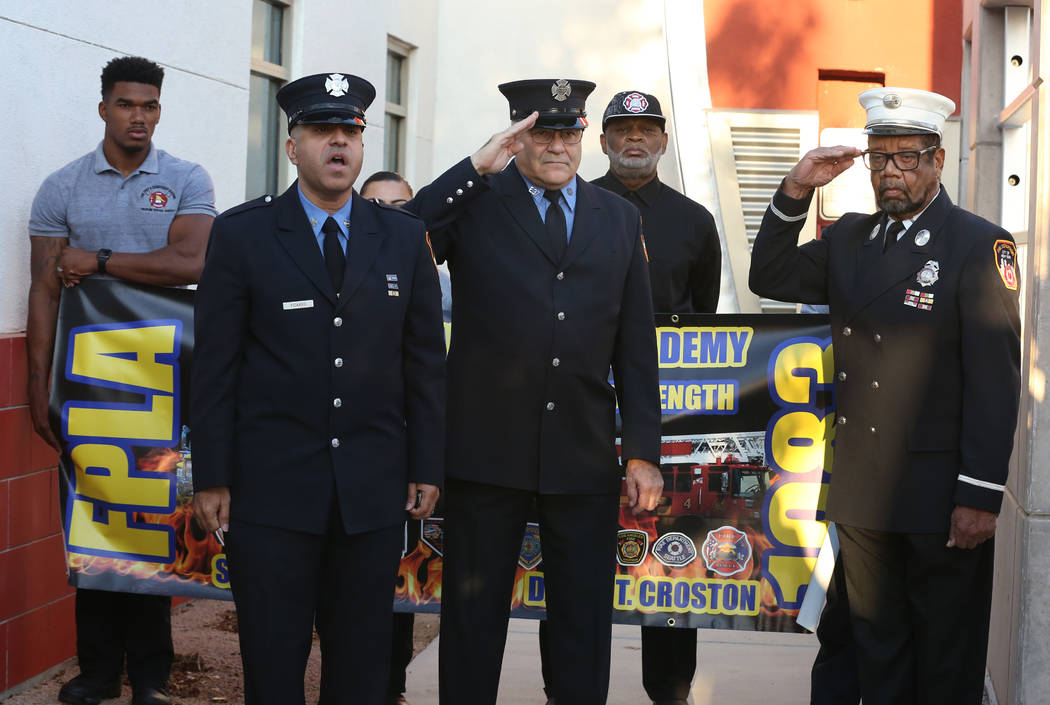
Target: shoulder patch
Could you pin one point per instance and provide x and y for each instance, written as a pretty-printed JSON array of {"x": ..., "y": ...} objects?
[
  {"x": 260, "y": 202},
  {"x": 1006, "y": 262}
]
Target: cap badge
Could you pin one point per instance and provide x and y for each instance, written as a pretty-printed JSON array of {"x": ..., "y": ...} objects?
[
  {"x": 635, "y": 103},
  {"x": 336, "y": 85},
  {"x": 561, "y": 89},
  {"x": 891, "y": 100},
  {"x": 922, "y": 237},
  {"x": 928, "y": 275}
]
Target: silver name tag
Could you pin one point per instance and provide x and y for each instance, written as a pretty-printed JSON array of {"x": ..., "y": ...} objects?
[{"x": 291, "y": 305}]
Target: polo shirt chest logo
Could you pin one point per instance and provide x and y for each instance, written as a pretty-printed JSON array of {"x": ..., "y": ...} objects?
[{"x": 157, "y": 197}]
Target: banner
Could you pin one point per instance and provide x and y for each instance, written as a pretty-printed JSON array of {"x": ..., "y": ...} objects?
[{"x": 747, "y": 404}]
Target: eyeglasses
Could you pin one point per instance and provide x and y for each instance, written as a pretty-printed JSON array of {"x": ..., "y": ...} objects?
[
  {"x": 543, "y": 135},
  {"x": 905, "y": 161}
]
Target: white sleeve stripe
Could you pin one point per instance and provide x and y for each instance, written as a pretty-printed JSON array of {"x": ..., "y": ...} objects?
[
  {"x": 786, "y": 218},
  {"x": 982, "y": 483}
]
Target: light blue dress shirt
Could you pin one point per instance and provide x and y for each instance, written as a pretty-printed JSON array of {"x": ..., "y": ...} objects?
[
  {"x": 567, "y": 201},
  {"x": 317, "y": 216}
]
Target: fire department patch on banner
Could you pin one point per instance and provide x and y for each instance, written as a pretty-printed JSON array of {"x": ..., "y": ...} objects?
[
  {"x": 631, "y": 546},
  {"x": 674, "y": 549},
  {"x": 531, "y": 551},
  {"x": 1006, "y": 263},
  {"x": 432, "y": 533},
  {"x": 726, "y": 551}
]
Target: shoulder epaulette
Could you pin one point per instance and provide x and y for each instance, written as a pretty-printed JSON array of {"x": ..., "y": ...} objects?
[
  {"x": 259, "y": 202},
  {"x": 395, "y": 209}
]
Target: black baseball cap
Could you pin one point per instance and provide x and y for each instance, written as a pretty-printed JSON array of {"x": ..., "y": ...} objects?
[
  {"x": 633, "y": 104},
  {"x": 337, "y": 98}
]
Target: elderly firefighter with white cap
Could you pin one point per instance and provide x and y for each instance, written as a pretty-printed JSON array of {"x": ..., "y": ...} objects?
[{"x": 926, "y": 333}]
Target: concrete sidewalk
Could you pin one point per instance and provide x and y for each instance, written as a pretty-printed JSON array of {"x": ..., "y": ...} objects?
[{"x": 734, "y": 668}]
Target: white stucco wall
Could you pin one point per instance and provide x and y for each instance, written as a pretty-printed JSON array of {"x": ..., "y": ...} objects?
[
  {"x": 617, "y": 45},
  {"x": 54, "y": 50}
]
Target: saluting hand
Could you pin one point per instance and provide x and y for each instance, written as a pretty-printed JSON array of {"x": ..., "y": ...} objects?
[
  {"x": 495, "y": 153},
  {"x": 970, "y": 527},
  {"x": 644, "y": 485},
  {"x": 818, "y": 168}
]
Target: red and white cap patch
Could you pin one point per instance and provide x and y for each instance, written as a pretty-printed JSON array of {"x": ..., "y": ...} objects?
[{"x": 635, "y": 103}]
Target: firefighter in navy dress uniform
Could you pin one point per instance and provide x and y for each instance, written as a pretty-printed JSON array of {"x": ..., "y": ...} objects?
[
  {"x": 551, "y": 291},
  {"x": 318, "y": 405},
  {"x": 926, "y": 331}
]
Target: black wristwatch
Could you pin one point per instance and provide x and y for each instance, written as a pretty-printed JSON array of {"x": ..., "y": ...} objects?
[{"x": 103, "y": 257}]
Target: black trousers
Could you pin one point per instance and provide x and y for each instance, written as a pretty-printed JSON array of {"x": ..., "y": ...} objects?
[
  {"x": 919, "y": 612},
  {"x": 284, "y": 582},
  {"x": 483, "y": 532},
  {"x": 112, "y": 626},
  {"x": 834, "y": 679},
  {"x": 401, "y": 648},
  {"x": 668, "y": 661}
]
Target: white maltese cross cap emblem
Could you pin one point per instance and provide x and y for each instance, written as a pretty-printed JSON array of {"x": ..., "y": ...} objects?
[
  {"x": 336, "y": 85},
  {"x": 561, "y": 89}
]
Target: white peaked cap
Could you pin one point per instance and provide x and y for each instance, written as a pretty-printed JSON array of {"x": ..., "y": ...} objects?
[{"x": 905, "y": 111}]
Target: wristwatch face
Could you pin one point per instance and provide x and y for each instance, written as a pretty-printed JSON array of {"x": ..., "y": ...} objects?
[{"x": 103, "y": 257}]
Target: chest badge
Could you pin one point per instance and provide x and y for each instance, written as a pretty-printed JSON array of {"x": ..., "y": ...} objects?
[
  {"x": 922, "y": 237},
  {"x": 928, "y": 275},
  {"x": 874, "y": 232}
]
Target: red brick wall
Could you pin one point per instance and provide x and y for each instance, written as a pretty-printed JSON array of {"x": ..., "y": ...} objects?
[{"x": 36, "y": 604}]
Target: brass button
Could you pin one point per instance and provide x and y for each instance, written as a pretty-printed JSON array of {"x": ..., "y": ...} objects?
[
  {"x": 560, "y": 276},
  {"x": 561, "y": 315},
  {"x": 470, "y": 184},
  {"x": 337, "y": 402},
  {"x": 841, "y": 421},
  {"x": 338, "y": 362},
  {"x": 872, "y": 429},
  {"x": 337, "y": 321},
  {"x": 877, "y": 338},
  {"x": 842, "y": 376},
  {"x": 555, "y": 362},
  {"x": 550, "y": 406},
  {"x": 847, "y": 331},
  {"x": 335, "y": 442},
  {"x": 448, "y": 200},
  {"x": 874, "y": 384},
  {"x": 459, "y": 192}
]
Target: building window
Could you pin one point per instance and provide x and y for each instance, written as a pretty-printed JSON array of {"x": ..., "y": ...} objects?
[
  {"x": 268, "y": 74},
  {"x": 396, "y": 116}
]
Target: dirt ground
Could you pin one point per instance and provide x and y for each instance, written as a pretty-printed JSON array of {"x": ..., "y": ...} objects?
[{"x": 207, "y": 668}]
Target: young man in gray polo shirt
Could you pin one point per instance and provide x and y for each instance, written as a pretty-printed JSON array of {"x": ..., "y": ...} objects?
[{"x": 129, "y": 211}]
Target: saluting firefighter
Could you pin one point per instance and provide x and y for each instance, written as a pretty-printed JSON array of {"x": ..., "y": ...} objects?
[
  {"x": 551, "y": 290},
  {"x": 318, "y": 405},
  {"x": 926, "y": 332}
]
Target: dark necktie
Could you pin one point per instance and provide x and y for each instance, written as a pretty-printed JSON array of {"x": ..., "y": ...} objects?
[
  {"x": 334, "y": 259},
  {"x": 891, "y": 235},
  {"x": 555, "y": 223}
]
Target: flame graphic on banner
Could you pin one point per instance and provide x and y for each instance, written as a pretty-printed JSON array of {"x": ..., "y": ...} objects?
[{"x": 194, "y": 549}]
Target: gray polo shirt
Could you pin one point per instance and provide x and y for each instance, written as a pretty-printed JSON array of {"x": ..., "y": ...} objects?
[{"x": 95, "y": 206}]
